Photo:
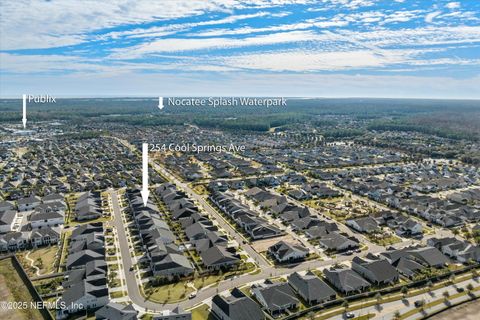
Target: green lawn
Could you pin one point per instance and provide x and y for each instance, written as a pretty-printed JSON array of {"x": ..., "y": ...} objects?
[
  {"x": 45, "y": 258},
  {"x": 118, "y": 294},
  {"x": 168, "y": 293},
  {"x": 202, "y": 313}
]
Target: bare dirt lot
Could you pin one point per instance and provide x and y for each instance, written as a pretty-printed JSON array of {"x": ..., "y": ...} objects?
[
  {"x": 466, "y": 311},
  {"x": 262, "y": 245}
]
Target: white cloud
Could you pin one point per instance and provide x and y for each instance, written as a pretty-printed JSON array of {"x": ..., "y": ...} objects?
[
  {"x": 189, "y": 44},
  {"x": 452, "y": 5},
  {"x": 301, "y": 61},
  {"x": 174, "y": 28},
  {"x": 432, "y": 15},
  {"x": 26, "y": 24},
  {"x": 415, "y": 37}
]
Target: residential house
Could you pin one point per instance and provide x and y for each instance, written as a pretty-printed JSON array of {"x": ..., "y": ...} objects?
[
  {"x": 377, "y": 271},
  {"x": 311, "y": 288},
  {"x": 287, "y": 252},
  {"x": 345, "y": 280},
  {"x": 276, "y": 298},
  {"x": 236, "y": 306}
]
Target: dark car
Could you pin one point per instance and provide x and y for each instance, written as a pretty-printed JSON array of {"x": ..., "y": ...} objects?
[{"x": 419, "y": 303}]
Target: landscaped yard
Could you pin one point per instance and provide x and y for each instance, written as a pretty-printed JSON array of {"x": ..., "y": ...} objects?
[
  {"x": 45, "y": 258},
  {"x": 201, "y": 313},
  {"x": 118, "y": 294},
  {"x": 13, "y": 289},
  {"x": 168, "y": 293}
]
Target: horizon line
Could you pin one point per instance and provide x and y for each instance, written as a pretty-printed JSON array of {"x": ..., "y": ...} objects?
[{"x": 19, "y": 97}]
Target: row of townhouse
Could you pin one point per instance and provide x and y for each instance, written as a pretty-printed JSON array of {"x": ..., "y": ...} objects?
[
  {"x": 211, "y": 244},
  {"x": 444, "y": 212},
  {"x": 85, "y": 284},
  {"x": 248, "y": 220},
  {"x": 31, "y": 222},
  {"x": 88, "y": 206},
  {"x": 301, "y": 220},
  {"x": 164, "y": 256},
  {"x": 48, "y": 211}
]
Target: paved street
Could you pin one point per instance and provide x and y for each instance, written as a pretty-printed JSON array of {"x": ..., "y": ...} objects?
[
  {"x": 206, "y": 293},
  {"x": 387, "y": 310},
  {"x": 267, "y": 270},
  {"x": 261, "y": 261}
]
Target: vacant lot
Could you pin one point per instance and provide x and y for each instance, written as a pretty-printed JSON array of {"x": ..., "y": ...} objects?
[
  {"x": 466, "y": 311},
  {"x": 263, "y": 245},
  {"x": 13, "y": 289}
]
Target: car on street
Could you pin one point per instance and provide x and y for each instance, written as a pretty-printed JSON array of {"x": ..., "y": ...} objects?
[{"x": 419, "y": 303}]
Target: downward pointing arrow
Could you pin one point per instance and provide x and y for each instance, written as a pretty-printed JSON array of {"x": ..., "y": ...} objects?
[
  {"x": 160, "y": 103},
  {"x": 24, "y": 119},
  {"x": 145, "y": 193}
]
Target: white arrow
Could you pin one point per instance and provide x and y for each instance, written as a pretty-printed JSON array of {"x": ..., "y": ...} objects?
[
  {"x": 24, "y": 119},
  {"x": 160, "y": 103},
  {"x": 145, "y": 191}
]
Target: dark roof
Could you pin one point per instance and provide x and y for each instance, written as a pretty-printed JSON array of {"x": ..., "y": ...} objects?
[
  {"x": 238, "y": 306},
  {"x": 430, "y": 255},
  {"x": 381, "y": 270},
  {"x": 346, "y": 280},
  {"x": 277, "y": 295},
  {"x": 114, "y": 311},
  {"x": 218, "y": 255},
  {"x": 311, "y": 287}
]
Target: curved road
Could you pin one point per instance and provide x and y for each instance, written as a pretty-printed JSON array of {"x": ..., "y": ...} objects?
[
  {"x": 133, "y": 281},
  {"x": 267, "y": 270}
]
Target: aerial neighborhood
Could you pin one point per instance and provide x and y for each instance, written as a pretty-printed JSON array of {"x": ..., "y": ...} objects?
[{"x": 296, "y": 226}]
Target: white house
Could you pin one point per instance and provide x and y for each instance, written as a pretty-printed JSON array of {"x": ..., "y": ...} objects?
[
  {"x": 46, "y": 219},
  {"x": 30, "y": 203}
]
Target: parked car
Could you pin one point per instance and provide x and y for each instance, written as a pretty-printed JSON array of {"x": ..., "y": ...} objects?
[
  {"x": 349, "y": 315},
  {"x": 419, "y": 303}
]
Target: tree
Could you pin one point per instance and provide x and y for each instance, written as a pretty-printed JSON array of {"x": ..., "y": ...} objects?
[
  {"x": 474, "y": 273},
  {"x": 345, "y": 304},
  {"x": 446, "y": 294},
  {"x": 39, "y": 262},
  {"x": 404, "y": 291},
  {"x": 451, "y": 278},
  {"x": 378, "y": 297},
  {"x": 469, "y": 287},
  {"x": 396, "y": 315}
]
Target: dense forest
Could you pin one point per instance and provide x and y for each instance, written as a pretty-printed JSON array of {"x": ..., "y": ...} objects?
[{"x": 336, "y": 118}]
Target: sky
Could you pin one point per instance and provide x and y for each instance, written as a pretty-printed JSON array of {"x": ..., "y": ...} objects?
[{"x": 300, "y": 48}]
